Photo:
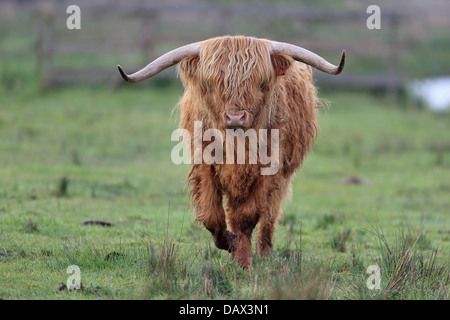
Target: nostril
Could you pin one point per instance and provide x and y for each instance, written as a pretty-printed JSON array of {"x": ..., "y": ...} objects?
[{"x": 236, "y": 118}]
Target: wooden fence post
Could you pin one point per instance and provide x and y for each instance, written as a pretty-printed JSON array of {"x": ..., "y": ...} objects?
[
  {"x": 148, "y": 40},
  {"x": 223, "y": 24},
  {"x": 394, "y": 61},
  {"x": 45, "y": 41}
]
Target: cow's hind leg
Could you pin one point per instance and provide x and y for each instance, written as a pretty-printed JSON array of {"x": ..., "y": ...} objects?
[
  {"x": 207, "y": 201},
  {"x": 267, "y": 223},
  {"x": 266, "y": 231}
]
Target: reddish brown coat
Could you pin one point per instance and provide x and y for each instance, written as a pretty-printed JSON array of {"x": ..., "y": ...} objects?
[{"x": 239, "y": 73}]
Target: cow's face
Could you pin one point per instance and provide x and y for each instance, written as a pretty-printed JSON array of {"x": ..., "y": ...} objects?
[{"x": 235, "y": 79}]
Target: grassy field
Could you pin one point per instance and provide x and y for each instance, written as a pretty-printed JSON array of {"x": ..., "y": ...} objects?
[{"x": 375, "y": 190}]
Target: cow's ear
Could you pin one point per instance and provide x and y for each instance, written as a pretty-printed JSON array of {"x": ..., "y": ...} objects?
[
  {"x": 281, "y": 63},
  {"x": 189, "y": 66}
]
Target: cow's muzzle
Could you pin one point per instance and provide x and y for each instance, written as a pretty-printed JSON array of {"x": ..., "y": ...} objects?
[{"x": 236, "y": 119}]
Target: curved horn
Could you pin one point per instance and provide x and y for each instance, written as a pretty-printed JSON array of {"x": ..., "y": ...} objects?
[
  {"x": 165, "y": 61},
  {"x": 308, "y": 57}
]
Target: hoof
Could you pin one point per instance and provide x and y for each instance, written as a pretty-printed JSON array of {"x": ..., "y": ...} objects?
[
  {"x": 226, "y": 241},
  {"x": 264, "y": 248},
  {"x": 244, "y": 262},
  {"x": 249, "y": 268},
  {"x": 231, "y": 240}
]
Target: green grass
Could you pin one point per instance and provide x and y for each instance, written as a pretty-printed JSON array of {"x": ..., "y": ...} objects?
[{"x": 373, "y": 191}]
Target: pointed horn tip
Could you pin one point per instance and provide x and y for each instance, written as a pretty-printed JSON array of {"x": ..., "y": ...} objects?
[
  {"x": 341, "y": 63},
  {"x": 123, "y": 74}
]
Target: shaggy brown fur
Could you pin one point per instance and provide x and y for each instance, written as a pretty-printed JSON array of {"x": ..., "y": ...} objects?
[{"x": 239, "y": 73}]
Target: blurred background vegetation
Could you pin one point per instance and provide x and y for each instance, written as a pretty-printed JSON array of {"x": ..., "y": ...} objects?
[{"x": 36, "y": 47}]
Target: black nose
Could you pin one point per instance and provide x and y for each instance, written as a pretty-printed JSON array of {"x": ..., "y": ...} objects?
[{"x": 236, "y": 118}]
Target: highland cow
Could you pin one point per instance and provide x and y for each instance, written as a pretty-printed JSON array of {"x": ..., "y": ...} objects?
[{"x": 247, "y": 83}]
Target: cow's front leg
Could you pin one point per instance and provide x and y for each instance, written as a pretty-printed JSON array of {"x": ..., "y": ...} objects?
[
  {"x": 243, "y": 220},
  {"x": 207, "y": 201}
]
